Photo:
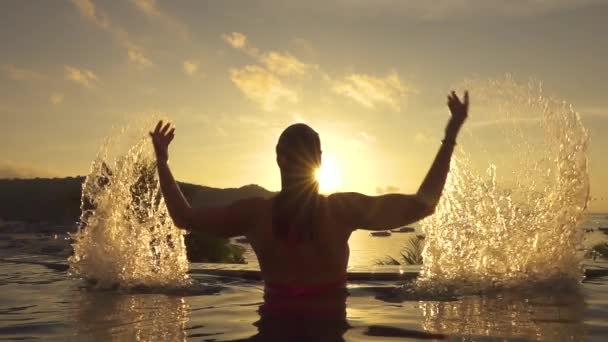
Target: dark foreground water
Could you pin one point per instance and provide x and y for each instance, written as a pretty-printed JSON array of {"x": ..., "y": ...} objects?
[
  {"x": 38, "y": 303},
  {"x": 44, "y": 303}
]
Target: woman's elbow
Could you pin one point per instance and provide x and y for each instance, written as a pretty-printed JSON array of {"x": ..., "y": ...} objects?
[
  {"x": 181, "y": 224},
  {"x": 181, "y": 221},
  {"x": 428, "y": 210}
]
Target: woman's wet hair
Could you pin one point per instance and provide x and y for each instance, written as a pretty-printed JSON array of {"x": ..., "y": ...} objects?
[{"x": 295, "y": 208}]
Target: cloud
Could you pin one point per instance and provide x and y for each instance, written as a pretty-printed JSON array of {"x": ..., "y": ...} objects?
[
  {"x": 84, "y": 77},
  {"x": 235, "y": 39},
  {"x": 262, "y": 82},
  {"x": 10, "y": 169},
  {"x": 190, "y": 67},
  {"x": 56, "y": 98},
  {"x": 20, "y": 74},
  {"x": 261, "y": 86},
  {"x": 151, "y": 9},
  {"x": 284, "y": 64},
  {"x": 371, "y": 91},
  {"x": 90, "y": 12},
  {"x": 137, "y": 57}
]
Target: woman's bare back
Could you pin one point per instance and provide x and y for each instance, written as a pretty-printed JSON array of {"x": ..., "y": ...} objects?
[{"x": 303, "y": 262}]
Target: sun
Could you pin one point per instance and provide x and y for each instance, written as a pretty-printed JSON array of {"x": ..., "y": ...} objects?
[{"x": 328, "y": 175}]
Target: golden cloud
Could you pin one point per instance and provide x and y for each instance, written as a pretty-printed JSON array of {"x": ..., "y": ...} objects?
[
  {"x": 84, "y": 77},
  {"x": 284, "y": 64},
  {"x": 137, "y": 57},
  {"x": 371, "y": 91},
  {"x": 56, "y": 98},
  {"x": 261, "y": 86},
  {"x": 190, "y": 67},
  {"x": 149, "y": 7},
  {"x": 88, "y": 10},
  {"x": 235, "y": 39},
  {"x": 135, "y": 53}
]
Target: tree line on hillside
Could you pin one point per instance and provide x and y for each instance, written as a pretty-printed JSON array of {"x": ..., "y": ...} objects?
[{"x": 58, "y": 200}]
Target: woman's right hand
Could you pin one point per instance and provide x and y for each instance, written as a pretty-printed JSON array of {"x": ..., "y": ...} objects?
[
  {"x": 161, "y": 138},
  {"x": 459, "y": 109}
]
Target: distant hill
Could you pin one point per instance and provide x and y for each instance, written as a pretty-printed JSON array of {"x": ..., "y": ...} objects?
[{"x": 57, "y": 200}]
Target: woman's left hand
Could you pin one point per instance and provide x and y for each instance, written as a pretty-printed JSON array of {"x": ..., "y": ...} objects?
[{"x": 161, "y": 138}]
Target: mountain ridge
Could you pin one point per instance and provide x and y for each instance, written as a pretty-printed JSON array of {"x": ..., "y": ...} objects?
[{"x": 57, "y": 200}]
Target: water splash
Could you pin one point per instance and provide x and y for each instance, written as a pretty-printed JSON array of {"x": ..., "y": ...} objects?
[
  {"x": 126, "y": 236},
  {"x": 516, "y": 216}
]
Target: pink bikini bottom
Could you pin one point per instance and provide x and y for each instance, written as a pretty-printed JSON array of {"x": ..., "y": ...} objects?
[
  {"x": 326, "y": 300},
  {"x": 305, "y": 291}
]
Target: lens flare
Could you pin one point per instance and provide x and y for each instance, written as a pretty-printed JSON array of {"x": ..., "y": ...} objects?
[{"x": 328, "y": 175}]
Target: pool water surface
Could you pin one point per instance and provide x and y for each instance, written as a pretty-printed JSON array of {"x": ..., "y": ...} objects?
[{"x": 38, "y": 303}]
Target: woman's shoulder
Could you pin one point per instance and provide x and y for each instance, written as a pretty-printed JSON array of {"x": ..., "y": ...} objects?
[{"x": 257, "y": 202}]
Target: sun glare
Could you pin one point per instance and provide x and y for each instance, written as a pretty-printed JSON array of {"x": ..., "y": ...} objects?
[{"x": 328, "y": 175}]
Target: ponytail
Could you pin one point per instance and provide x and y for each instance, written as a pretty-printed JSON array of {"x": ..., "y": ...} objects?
[{"x": 295, "y": 210}]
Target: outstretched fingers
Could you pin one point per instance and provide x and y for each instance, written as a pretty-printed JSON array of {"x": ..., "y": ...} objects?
[
  {"x": 455, "y": 97},
  {"x": 171, "y": 135},
  {"x": 452, "y": 98},
  {"x": 158, "y": 127},
  {"x": 164, "y": 130}
]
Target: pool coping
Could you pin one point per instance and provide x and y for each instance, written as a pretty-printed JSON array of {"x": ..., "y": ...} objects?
[{"x": 252, "y": 272}]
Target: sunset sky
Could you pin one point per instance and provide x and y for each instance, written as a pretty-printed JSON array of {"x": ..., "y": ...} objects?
[{"x": 369, "y": 76}]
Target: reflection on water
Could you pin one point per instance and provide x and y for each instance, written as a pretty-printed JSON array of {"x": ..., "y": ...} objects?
[
  {"x": 36, "y": 303},
  {"x": 300, "y": 329},
  {"x": 549, "y": 312},
  {"x": 112, "y": 316},
  {"x": 289, "y": 318},
  {"x": 538, "y": 315}
]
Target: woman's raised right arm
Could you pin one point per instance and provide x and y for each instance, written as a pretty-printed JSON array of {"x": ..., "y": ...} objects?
[{"x": 396, "y": 210}]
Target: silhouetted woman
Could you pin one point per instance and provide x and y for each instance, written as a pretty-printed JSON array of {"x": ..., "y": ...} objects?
[{"x": 299, "y": 236}]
